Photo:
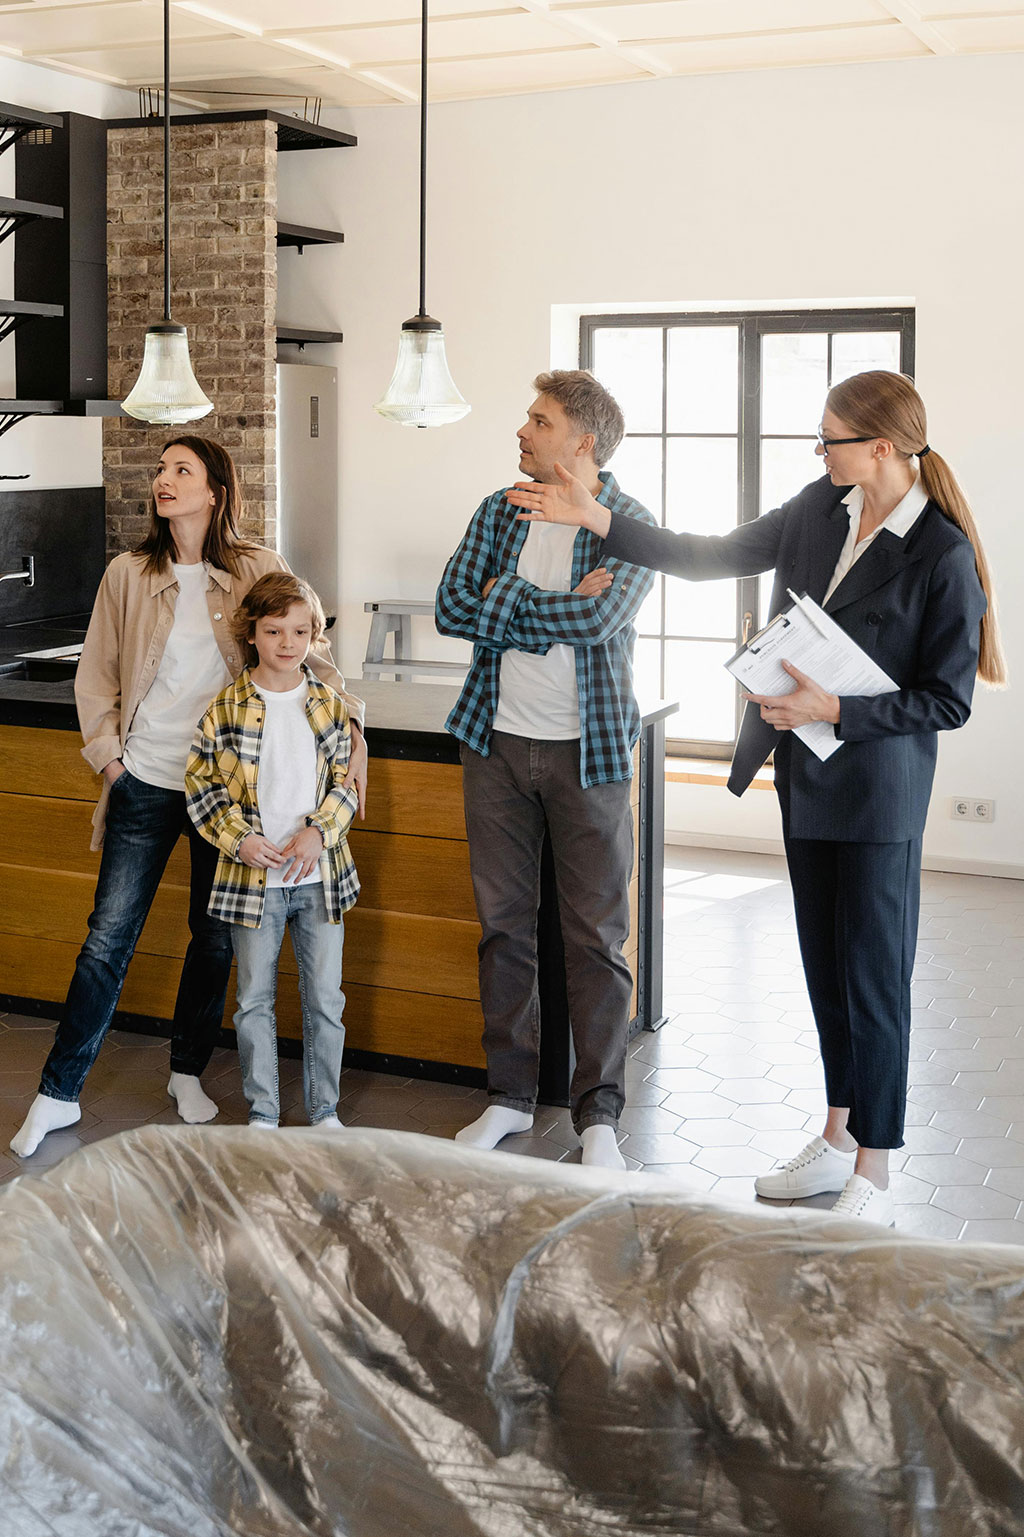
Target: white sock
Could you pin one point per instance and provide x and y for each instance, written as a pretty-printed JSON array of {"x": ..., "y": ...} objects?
[
  {"x": 194, "y": 1105},
  {"x": 600, "y": 1149},
  {"x": 266, "y": 1125},
  {"x": 329, "y": 1123},
  {"x": 45, "y": 1115},
  {"x": 496, "y": 1122}
]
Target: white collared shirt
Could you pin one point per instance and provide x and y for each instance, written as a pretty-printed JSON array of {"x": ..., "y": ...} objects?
[{"x": 899, "y": 522}]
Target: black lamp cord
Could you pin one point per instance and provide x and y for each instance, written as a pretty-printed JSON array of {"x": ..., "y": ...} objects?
[
  {"x": 423, "y": 158},
  {"x": 167, "y": 160}
]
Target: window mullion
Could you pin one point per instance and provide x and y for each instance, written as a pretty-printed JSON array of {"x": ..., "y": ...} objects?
[{"x": 752, "y": 327}]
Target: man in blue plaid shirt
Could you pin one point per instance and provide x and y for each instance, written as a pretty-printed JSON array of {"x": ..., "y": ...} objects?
[{"x": 548, "y": 721}]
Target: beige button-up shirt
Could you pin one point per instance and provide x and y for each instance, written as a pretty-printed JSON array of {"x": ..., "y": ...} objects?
[{"x": 130, "y": 623}]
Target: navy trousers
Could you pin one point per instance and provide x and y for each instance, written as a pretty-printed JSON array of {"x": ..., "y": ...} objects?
[{"x": 857, "y": 907}]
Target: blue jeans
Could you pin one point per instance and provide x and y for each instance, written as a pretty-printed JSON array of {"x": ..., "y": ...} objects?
[
  {"x": 318, "y": 947},
  {"x": 144, "y": 823}
]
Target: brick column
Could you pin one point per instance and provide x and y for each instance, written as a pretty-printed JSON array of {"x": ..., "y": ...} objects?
[{"x": 223, "y": 288}]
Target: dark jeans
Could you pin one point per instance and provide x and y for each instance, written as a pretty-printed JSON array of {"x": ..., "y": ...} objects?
[
  {"x": 524, "y": 787},
  {"x": 857, "y": 908},
  {"x": 143, "y": 825}
]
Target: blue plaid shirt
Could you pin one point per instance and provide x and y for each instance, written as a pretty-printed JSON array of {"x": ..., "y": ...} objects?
[{"x": 516, "y": 615}]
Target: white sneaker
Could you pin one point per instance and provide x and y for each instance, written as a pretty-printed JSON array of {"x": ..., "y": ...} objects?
[
  {"x": 861, "y": 1198},
  {"x": 820, "y": 1167}
]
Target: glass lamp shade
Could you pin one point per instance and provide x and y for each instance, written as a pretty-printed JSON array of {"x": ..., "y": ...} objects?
[
  {"x": 167, "y": 391},
  {"x": 422, "y": 392}
]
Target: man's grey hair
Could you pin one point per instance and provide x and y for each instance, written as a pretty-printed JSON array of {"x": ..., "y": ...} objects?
[{"x": 588, "y": 405}]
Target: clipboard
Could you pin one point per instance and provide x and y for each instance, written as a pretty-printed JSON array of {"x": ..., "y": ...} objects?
[{"x": 804, "y": 635}]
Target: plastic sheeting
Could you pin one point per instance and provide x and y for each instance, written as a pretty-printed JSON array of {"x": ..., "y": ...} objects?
[{"x": 218, "y": 1331}]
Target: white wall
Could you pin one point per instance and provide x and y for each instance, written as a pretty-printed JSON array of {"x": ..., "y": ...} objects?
[
  {"x": 50, "y": 451},
  {"x": 866, "y": 182}
]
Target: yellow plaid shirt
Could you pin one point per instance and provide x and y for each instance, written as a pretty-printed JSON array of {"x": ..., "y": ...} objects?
[{"x": 221, "y": 790}]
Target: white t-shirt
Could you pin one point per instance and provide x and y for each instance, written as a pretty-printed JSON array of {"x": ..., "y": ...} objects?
[
  {"x": 286, "y": 784},
  {"x": 190, "y": 673},
  {"x": 537, "y": 695}
]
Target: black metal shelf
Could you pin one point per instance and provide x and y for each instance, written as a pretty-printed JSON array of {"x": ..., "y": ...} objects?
[
  {"x": 81, "y": 407},
  {"x": 28, "y": 308},
  {"x": 14, "y": 411},
  {"x": 15, "y": 212},
  {"x": 292, "y": 132},
  {"x": 300, "y": 235},
  {"x": 16, "y": 122},
  {"x": 15, "y": 312},
  {"x": 300, "y": 337}
]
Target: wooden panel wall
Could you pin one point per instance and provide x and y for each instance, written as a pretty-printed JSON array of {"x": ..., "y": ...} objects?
[{"x": 410, "y": 943}]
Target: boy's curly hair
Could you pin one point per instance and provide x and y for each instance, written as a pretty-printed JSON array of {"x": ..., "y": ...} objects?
[{"x": 270, "y": 598}]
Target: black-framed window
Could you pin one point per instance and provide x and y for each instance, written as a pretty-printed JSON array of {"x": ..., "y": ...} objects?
[{"x": 721, "y": 415}]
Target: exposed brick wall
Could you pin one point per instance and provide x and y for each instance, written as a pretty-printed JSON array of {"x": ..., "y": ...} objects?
[{"x": 223, "y": 288}]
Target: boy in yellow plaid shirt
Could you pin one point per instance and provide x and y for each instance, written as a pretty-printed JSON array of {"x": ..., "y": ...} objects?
[{"x": 264, "y": 784}]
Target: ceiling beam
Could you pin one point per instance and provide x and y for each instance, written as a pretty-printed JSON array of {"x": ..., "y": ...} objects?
[
  {"x": 597, "y": 37},
  {"x": 290, "y": 44},
  {"x": 808, "y": 29},
  {"x": 914, "y": 22},
  {"x": 394, "y": 24},
  {"x": 48, "y": 7},
  {"x": 126, "y": 47}
]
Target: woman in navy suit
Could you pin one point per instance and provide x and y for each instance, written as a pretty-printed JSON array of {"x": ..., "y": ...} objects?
[{"x": 887, "y": 544}]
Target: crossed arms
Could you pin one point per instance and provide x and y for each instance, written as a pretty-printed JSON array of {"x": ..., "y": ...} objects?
[{"x": 494, "y": 608}]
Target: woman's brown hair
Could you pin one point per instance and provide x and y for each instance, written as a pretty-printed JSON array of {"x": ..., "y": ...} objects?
[
  {"x": 223, "y": 543},
  {"x": 271, "y": 598},
  {"x": 884, "y": 405}
]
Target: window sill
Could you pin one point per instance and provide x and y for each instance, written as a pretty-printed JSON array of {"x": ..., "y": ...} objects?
[{"x": 709, "y": 771}]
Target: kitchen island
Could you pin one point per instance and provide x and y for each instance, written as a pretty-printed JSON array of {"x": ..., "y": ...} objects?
[{"x": 410, "y": 943}]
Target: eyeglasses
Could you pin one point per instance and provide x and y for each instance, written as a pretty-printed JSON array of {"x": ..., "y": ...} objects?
[{"x": 827, "y": 443}]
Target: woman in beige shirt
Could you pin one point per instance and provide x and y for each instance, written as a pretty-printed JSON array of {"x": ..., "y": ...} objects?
[{"x": 158, "y": 649}]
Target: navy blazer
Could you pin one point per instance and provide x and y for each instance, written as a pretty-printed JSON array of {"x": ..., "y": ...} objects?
[{"x": 914, "y": 605}]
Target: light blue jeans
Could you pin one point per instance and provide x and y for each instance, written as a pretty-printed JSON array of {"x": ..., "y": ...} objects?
[{"x": 318, "y": 947}]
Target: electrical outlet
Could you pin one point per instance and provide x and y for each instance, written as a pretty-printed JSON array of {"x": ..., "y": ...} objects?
[{"x": 964, "y": 810}]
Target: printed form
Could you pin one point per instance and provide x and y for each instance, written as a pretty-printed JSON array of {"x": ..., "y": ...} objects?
[{"x": 805, "y": 636}]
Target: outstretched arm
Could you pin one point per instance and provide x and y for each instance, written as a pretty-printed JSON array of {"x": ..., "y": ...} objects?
[
  {"x": 566, "y": 501},
  {"x": 744, "y": 551}
]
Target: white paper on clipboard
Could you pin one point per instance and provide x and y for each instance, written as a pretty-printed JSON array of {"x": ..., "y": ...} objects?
[{"x": 805, "y": 636}]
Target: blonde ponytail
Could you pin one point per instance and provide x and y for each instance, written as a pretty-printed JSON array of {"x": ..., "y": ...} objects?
[
  {"x": 885, "y": 405},
  {"x": 944, "y": 490}
]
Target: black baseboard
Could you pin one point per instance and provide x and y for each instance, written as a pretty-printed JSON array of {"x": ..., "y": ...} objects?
[{"x": 367, "y": 1061}]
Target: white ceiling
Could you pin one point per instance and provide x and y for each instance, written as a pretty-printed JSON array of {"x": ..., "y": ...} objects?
[{"x": 254, "y": 53}]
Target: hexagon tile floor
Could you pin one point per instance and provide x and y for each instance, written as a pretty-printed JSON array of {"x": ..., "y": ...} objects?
[{"x": 731, "y": 1084}]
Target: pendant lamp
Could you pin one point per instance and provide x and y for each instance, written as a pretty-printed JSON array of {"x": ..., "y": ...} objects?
[
  {"x": 166, "y": 391},
  {"x": 422, "y": 392}
]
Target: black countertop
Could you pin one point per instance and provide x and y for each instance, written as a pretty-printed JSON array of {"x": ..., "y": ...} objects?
[
  {"x": 36, "y": 702},
  {"x": 404, "y": 720}
]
